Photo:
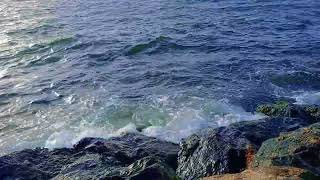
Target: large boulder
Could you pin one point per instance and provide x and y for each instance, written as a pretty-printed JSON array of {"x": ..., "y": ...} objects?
[
  {"x": 300, "y": 148},
  {"x": 229, "y": 149},
  {"x": 130, "y": 156},
  {"x": 268, "y": 173}
]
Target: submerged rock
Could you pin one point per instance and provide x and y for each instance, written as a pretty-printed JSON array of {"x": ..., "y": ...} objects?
[
  {"x": 229, "y": 149},
  {"x": 296, "y": 80},
  {"x": 144, "y": 47},
  {"x": 268, "y": 173},
  {"x": 300, "y": 148},
  {"x": 129, "y": 156},
  {"x": 284, "y": 109}
]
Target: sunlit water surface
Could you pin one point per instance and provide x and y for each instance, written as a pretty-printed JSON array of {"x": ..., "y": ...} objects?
[{"x": 71, "y": 69}]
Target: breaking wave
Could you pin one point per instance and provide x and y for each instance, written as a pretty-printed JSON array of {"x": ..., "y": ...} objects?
[{"x": 166, "y": 118}]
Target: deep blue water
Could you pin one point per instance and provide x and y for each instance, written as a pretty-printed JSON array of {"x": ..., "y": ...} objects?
[{"x": 70, "y": 69}]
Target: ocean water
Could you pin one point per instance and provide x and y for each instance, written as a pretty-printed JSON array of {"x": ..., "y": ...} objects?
[{"x": 71, "y": 69}]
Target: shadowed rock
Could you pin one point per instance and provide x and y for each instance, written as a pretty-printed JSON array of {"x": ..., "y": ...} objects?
[{"x": 129, "y": 156}]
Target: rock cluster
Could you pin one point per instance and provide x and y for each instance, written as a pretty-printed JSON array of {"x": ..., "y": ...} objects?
[
  {"x": 226, "y": 149},
  {"x": 284, "y": 145},
  {"x": 231, "y": 149},
  {"x": 131, "y": 156}
]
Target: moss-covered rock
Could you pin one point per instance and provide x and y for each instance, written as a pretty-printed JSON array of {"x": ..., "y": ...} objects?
[
  {"x": 268, "y": 173},
  {"x": 229, "y": 149},
  {"x": 300, "y": 148},
  {"x": 285, "y": 109},
  {"x": 280, "y": 108}
]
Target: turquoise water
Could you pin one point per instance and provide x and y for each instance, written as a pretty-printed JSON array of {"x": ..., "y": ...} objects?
[{"x": 70, "y": 69}]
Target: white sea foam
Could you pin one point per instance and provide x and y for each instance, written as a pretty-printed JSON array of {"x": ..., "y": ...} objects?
[
  {"x": 60, "y": 139},
  {"x": 182, "y": 117},
  {"x": 3, "y": 72},
  {"x": 189, "y": 121},
  {"x": 67, "y": 138},
  {"x": 308, "y": 98}
]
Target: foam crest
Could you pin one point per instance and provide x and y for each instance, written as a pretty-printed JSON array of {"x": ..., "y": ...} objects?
[
  {"x": 311, "y": 98},
  {"x": 67, "y": 138},
  {"x": 167, "y": 118},
  {"x": 187, "y": 121}
]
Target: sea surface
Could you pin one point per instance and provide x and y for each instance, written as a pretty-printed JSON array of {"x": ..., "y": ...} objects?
[{"x": 76, "y": 68}]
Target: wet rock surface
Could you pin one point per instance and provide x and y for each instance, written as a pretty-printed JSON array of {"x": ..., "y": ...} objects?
[
  {"x": 300, "y": 148},
  {"x": 227, "y": 149},
  {"x": 285, "y": 109},
  {"x": 130, "y": 156}
]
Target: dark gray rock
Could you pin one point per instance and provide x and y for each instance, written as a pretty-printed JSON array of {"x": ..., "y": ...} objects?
[
  {"x": 145, "y": 168},
  {"x": 300, "y": 148},
  {"x": 130, "y": 156},
  {"x": 228, "y": 149},
  {"x": 150, "y": 168}
]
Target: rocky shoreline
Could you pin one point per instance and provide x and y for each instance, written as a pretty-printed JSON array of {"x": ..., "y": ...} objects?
[{"x": 285, "y": 144}]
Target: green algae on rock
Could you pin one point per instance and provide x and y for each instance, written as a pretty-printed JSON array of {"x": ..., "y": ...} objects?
[
  {"x": 278, "y": 109},
  {"x": 284, "y": 109},
  {"x": 300, "y": 148},
  {"x": 225, "y": 150}
]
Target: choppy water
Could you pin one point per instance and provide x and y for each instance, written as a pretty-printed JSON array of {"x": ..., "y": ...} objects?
[{"x": 70, "y": 69}]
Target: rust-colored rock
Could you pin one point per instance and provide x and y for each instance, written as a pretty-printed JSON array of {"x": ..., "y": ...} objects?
[{"x": 267, "y": 173}]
